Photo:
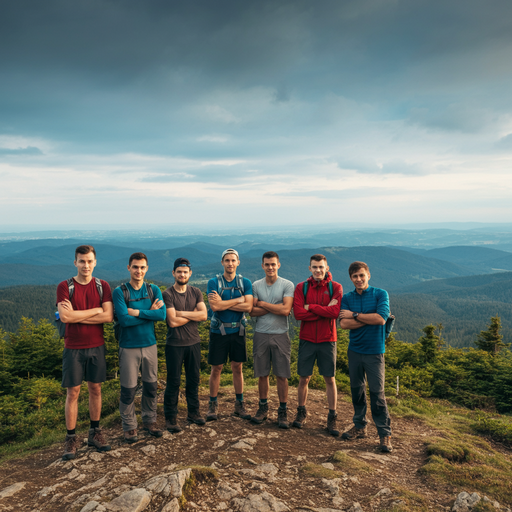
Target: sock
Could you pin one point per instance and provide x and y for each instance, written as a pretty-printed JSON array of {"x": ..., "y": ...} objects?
[
  {"x": 95, "y": 424},
  {"x": 263, "y": 401},
  {"x": 301, "y": 408},
  {"x": 282, "y": 405},
  {"x": 240, "y": 396},
  {"x": 213, "y": 399},
  {"x": 72, "y": 432},
  {"x": 332, "y": 412}
]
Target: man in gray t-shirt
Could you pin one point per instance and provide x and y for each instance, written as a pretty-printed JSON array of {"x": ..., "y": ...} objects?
[
  {"x": 185, "y": 309},
  {"x": 273, "y": 300}
]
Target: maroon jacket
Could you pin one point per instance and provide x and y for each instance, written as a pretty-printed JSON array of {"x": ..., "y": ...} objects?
[{"x": 318, "y": 323}]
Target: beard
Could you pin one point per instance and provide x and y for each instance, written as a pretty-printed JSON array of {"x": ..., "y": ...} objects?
[{"x": 182, "y": 280}]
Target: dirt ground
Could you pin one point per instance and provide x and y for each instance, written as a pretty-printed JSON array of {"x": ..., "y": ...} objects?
[{"x": 291, "y": 451}]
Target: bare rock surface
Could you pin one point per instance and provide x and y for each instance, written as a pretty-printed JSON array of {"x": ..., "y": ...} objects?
[{"x": 237, "y": 466}]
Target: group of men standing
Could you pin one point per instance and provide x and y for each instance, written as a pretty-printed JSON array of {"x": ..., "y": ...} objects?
[{"x": 85, "y": 303}]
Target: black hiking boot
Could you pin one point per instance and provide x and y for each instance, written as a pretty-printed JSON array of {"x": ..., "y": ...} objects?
[
  {"x": 171, "y": 424},
  {"x": 153, "y": 429},
  {"x": 195, "y": 417}
]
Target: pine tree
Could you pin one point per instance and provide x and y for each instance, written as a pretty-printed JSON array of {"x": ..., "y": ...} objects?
[
  {"x": 431, "y": 342},
  {"x": 491, "y": 340}
]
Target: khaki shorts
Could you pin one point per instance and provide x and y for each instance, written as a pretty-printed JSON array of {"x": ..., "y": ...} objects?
[{"x": 271, "y": 350}]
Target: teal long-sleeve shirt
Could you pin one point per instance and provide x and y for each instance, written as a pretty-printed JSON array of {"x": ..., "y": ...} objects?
[{"x": 137, "y": 331}]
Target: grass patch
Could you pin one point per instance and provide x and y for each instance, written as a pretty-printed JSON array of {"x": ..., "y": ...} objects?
[
  {"x": 350, "y": 463},
  {"x": 499, "y": 429},
  {"x": 317, "y": 471},
  {"x": 412, "y": 501},
  {"x": 451, "y": 450},
  {"x": 471, "y": 466}
]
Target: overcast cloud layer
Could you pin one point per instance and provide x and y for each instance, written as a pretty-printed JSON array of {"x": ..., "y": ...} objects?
[{"x": 168, "y": 112}]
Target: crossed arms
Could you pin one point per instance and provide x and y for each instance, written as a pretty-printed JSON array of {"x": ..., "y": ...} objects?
[
  {"x": 240, "y": 304},
  {"x": 100, "y": 315},
  {"x": 179, "y": 318},
  {"x": 261, "y": 307}
]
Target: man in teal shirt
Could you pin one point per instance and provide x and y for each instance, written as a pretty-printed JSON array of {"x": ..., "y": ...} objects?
[{"x": 137, "y": 346}]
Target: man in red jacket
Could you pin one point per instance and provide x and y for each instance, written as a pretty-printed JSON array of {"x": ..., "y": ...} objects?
[{"x": 317, "y": 307}]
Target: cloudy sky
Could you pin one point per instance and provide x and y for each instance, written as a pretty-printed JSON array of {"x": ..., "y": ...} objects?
[{"x": 252, "y": 113}]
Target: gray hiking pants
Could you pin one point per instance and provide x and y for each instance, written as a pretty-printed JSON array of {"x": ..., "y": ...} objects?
[
  {"x": 363, "y": 367},
  {"x": 131, "y": 361}
]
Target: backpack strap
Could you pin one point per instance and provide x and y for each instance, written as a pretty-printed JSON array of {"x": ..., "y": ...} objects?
[
  {"x": 305, "y": 289},
  {"x": 240, "y": 283},
  {"x": 99, "y": 287},
  {"x": 151, "y": 295},
  {"x": 126, "y": 293},
  {"x": 71, "y": 287},
  {"x": 331, "y": 291}
]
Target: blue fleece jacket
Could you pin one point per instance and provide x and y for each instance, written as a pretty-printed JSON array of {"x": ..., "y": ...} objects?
[{"x": 137, "y": 332}]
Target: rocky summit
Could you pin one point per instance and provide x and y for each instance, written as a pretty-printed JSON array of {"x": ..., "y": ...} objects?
[{"x": 234, "y": 465}]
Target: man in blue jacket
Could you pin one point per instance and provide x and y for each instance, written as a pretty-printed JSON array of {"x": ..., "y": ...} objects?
[
  {"x": 364, "y": 311},
  {"x": 137, "y": 346}
]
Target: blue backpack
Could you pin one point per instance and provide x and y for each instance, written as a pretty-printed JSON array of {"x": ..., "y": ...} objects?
[{"x": 215, "y": 322}]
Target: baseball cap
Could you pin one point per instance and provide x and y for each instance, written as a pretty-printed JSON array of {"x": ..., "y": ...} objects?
[
  {"x": 181, "y": 262},
  {"x": 230, "y": 251}
]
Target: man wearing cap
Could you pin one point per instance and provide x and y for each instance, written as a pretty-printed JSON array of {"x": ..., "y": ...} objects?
[
  {"x": 185, "y": 309},
  {"x": 230, "y": 297}
]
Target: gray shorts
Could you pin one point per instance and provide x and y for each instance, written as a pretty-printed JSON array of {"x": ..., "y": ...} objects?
[
  {"x": 272, "y": 349},
  {"x": 324, "y": 354},
  {"x": 80, "y": 364}
]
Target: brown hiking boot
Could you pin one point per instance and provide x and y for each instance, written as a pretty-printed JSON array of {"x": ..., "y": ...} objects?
[
  {"x": 130, "y": 436},
  {"x": 282, "y": 417},
  {"x": 261, "y": 414},
  {"x": 385, "y": 444},
  {"x": 153, "y": 429},
  {"x": 69, "y": 448},
  {"x": 300, "y": 419},
  {"x": 195, "y": 417},
  {"x": 171, "y": 424},
  {"x": 97, "y": 439},
  {"x": 240, "y": 410},
  {"x": 213, "y": 406},
  {"x": 354, "y": 433},
  {"x": 331, "y": 425}
]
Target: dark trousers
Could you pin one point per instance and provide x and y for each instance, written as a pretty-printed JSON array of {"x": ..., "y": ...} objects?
[
  {"x": 363, "y": 367},
  {"x": 175, "y": 358}
]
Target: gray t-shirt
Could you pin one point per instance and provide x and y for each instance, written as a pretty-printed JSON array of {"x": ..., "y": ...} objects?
[
  {"x": 271, "y": 323},
  {"x": 187, "y": 334}
]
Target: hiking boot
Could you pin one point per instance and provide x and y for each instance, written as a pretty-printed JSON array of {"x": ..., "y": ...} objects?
[
  {"x": 261, "y": 414},
  {"x": 212, "y": 411},
  {"x": 385, "y": 444},
  {"x": 171, "y": 424},
  {"x": 282, "y": 417},
  {"x": 240, "y": 410},
  {"x": 195, "y": 417},
  {"x": 300, "y": 419},
  {"x": 153, "y": 429},
  {"x": 331, "y": 425},
  {"x": 130, "y": 436},
  {"x": 97, "y": 439},
  {"x": 354, "y": 433},
  {"x": 69, "y": 447}
]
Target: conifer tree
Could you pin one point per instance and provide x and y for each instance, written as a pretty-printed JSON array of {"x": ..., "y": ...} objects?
[
  {"x": 491, "y": 340},
  {"x": 431, "y": 342}
]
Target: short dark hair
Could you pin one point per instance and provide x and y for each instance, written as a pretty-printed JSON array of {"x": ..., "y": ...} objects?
[
  {"x": 270, "y": 254},
  {"x": 85, "y": 249},
  {"x": 317, "y": 257},
  {"x": 137, "y": 256},
  {"x": 357, "y": 265}
]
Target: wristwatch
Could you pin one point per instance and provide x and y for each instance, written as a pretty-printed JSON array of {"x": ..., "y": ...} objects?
[{"x": 355, "y": 315}]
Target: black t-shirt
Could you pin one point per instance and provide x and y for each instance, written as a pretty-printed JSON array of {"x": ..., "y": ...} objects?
[{"x": 187, "y": 334}]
